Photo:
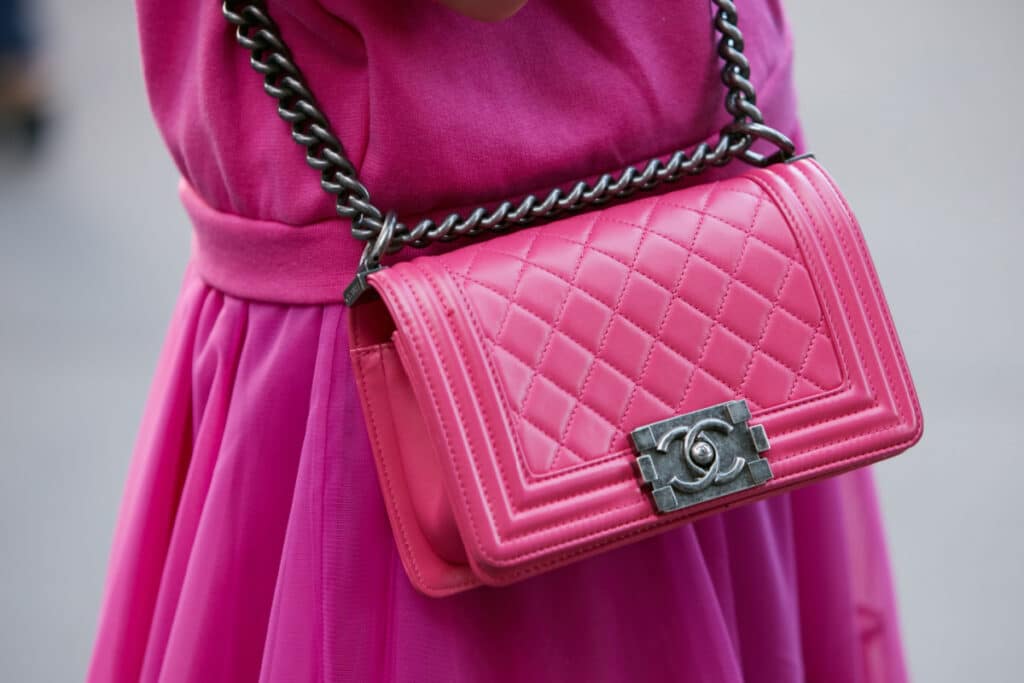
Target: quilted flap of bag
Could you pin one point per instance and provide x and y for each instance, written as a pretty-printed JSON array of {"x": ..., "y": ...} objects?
[{"x": 534, "y": 355}]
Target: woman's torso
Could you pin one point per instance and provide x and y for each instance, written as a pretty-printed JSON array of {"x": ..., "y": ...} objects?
[{"x": 440, "y": 111}]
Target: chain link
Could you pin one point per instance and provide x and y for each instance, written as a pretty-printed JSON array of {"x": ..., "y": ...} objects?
[{"x": 384, "y": 234}]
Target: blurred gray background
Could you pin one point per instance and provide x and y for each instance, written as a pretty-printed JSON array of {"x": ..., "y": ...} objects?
[{"x": 913, "y": 107}]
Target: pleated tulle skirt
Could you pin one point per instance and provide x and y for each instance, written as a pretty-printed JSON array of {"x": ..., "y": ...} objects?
[{"x": 253, "y": 545}]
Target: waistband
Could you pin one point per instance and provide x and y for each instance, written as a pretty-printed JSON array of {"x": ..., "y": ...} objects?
[{"x": 270, "y": 261}]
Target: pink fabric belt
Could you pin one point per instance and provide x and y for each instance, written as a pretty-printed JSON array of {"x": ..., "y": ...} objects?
[{"x": 270, "y": 261}]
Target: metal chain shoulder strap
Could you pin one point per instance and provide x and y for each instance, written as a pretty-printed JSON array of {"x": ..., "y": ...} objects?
[{"x": 385, "y": 234}]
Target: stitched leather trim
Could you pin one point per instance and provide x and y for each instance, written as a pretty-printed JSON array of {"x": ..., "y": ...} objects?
[{"x": 399, "y": 524}]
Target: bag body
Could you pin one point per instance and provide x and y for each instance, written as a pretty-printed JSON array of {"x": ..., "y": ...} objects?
[{"x": 507, "y": 385}]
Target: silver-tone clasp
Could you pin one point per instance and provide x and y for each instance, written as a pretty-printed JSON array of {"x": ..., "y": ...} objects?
[
  {"x": 369, "y": 262},
  {"x": 700, "y": 456},
  {"x": 360, "y": 284}
]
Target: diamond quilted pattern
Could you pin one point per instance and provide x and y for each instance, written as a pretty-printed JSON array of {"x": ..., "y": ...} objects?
[{"x": 610, "y": 320}]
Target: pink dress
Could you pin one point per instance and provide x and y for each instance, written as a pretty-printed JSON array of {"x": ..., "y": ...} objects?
[{"x": 253, "y": 544}]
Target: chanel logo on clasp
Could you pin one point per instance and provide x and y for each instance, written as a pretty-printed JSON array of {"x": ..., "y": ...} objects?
[{"x": 702, "y": 455}]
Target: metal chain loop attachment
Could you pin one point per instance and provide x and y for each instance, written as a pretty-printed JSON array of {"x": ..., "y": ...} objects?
[
  {"x": 385, "y": 234},
  {"x": 755, "y": 131}
]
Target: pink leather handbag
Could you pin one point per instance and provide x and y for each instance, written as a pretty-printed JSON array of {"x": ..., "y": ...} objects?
[{"x": 554, "y": 392}]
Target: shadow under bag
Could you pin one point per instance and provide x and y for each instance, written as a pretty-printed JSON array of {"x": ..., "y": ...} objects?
[{"x": 560, "y": 390}]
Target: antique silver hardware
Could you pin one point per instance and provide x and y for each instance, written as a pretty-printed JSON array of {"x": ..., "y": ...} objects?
[{"x": 706, "y": 454}]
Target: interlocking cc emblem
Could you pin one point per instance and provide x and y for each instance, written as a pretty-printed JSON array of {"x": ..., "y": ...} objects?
[{"x": 702, "y": 455}]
